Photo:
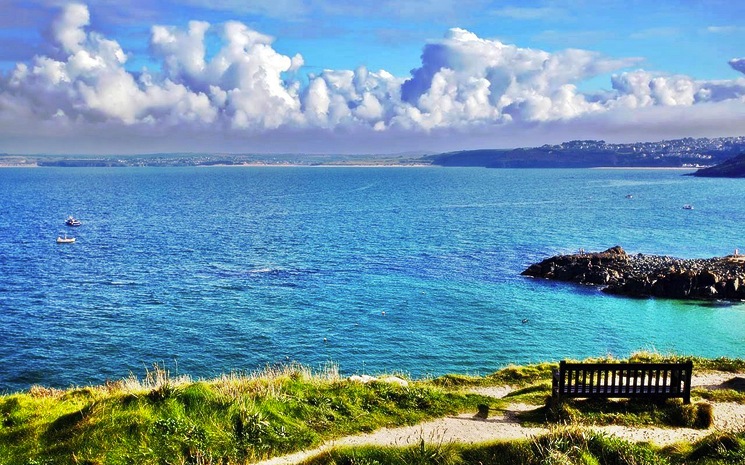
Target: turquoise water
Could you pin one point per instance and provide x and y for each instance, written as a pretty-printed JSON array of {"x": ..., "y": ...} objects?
[{"x": 211, "y": 270}]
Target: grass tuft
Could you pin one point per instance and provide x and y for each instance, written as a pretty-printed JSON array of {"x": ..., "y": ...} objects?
[
  {"x": 720, "y": 395},
  {"x": 41, "y": 392},
  {"x": 731, "y": 365},
  {"x": 626, "y": 412},
  {"x": 719, "y": 448},
  {"x": 704, "y": 416},
  {"x": 562, "y": 446}
]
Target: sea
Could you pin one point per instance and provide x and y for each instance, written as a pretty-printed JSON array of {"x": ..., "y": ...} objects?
[{"x": 413, "y": 271}]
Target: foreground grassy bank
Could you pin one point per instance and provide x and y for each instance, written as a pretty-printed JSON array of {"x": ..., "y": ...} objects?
[
  {"x": 564, "y": 446},
  {"x": 233, "y": 419},
  {"x": 239, "y": 419}
]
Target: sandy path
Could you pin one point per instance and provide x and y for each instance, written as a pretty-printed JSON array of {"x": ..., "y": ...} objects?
[{"x": 503, "y": 426}]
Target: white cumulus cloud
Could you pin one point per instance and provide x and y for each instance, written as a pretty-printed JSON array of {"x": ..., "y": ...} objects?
[
  {"x": 465, "y": 84},
  {"x": 642, "y": 89},
  {"x": 89, "y": 82},
  {"x": 465, "y": 78}
]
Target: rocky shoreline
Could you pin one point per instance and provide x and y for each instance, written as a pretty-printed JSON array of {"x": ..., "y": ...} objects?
[{"x": 649, "y": 275}]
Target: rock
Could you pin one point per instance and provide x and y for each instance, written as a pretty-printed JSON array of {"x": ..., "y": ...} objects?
[
  {"x": 634, "y": 287},
  {"x": 707, "y": 278},
  {"x": 710, "y": 291},
  {"x": 642, "y": 275},
  {"x": 677, "y": 284},
  {"x": 732, "y": 286},
  {"x": 364, "y": 379},
  {"x": 537, "y": 269},
  {"x": 658, "y": 288},
  {"x": 597, "y": 277},
  {"x": 394, "y": 380},
  {"x": 616, "y": 250}
]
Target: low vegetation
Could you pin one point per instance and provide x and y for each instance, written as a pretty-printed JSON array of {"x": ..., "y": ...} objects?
[
  {"x": 564, "y": 446},
  {"x": 233, "y": 419},
  {"x": 243, "y": 418},
  {"x": 512, "y": 375},
  {"x": 634, "y": 413},
  {"x": 732, "y": 365}
]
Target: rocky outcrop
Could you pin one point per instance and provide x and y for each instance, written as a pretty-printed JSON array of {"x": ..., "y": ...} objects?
[{"x": 648, "y": 275}]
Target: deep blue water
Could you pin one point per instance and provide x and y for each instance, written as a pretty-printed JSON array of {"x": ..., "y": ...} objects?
[{"x": 221, "y": 269}]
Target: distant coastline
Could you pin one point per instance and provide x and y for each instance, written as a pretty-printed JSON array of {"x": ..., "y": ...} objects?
[
  {"x": 202, "y": 162},
  {"x": 344, "y": 165},
  {"x": 332, "y": 165},
  {"x": 322, "y": 165},
  {"x": 676, "y": 168},
  {"x": 683, "y": 154}
]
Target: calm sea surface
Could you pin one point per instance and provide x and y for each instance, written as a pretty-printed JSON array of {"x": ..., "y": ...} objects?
[{"x": 212, "y": 270}]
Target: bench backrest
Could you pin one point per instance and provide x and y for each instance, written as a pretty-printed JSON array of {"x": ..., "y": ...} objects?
[{"x": 661, "y": 380}]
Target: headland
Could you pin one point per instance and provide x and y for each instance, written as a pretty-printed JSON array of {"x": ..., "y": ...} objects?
[{"x": 731, "y": 168}]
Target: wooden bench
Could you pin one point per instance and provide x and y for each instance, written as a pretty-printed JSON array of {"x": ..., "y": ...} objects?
[{"x": 656, "y": 381}]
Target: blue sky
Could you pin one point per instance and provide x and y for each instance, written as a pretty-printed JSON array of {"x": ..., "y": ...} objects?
[{"x": 369, "y": 77}]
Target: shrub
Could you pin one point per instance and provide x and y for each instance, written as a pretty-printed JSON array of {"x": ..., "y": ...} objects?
[
  {"x": 438, "y": 453},
  {"x": 629, "y": 412},
  {"x": 700, "y": 415},
  {"x": 581, "y": 447},
  {"x": 704, "y": 416},
  {"x": 522, "y": 375},
  {"x": 727, "y": 446}
]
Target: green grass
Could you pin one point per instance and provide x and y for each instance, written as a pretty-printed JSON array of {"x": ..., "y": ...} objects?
[
  {"x": 720, "y": 395},
  {"x": 521, "y": 376},
  {"x": 512, "y": 375},
  {"x": 233, "y": 419},
  {"x": 633, "y": 413},
  {"x": 563, "y": 446},
  {"x": 242, "y": 418},
  {"x": 715, "y": 449},
  {"x": 733, "y": 365}
]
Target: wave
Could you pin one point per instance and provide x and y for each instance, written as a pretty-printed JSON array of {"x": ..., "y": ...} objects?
[
  {"x": 263, "y": 270},
  {"x": 364, "y": 188}
]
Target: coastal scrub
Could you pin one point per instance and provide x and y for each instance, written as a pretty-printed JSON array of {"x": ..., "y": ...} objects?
[{"x": 232, "y": 419}]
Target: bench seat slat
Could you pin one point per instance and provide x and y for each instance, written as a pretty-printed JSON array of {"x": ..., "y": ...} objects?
[{"x": 654, "y": 380}]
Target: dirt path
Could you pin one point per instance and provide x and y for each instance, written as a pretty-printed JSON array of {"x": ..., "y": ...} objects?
[{"x": 466, "y": 428}]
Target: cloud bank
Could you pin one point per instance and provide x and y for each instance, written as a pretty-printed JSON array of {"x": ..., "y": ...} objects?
[{"x": 246, "y": 96}]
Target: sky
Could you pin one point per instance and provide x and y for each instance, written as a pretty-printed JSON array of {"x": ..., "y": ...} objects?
[{"x": 364, "y": 77}]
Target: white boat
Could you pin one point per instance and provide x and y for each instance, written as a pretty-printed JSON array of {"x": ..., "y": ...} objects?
[
  {"x": 65, "y": 240},
  {"x": 688, "y": 206},
  {"x": 72, "y": 221}
]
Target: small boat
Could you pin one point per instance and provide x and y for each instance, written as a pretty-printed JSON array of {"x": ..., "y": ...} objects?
[
  {"x": 72, "y": 221},
  {"x": 65, "y": 240},
  {"x": 688, "y": 206},
  {"x": 629, "y": 196}
]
